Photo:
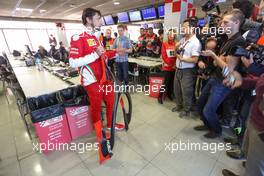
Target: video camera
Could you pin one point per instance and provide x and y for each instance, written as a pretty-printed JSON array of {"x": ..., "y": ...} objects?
[
  {"x": 256, "y": 52},
  {"x": 209, "y": 5}
]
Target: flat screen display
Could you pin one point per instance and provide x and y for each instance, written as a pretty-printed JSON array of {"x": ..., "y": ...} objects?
[
  {"x": 149, "y": 13},
  {"x": 135, "y": 16},
  {"x": 123, "y": 17},
  {"x": 109, "y": 20}
]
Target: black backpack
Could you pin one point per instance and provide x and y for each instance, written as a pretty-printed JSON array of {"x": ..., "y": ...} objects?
[{"x": 16, "y": 53}]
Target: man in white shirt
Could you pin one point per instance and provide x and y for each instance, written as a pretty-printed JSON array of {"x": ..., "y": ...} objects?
[{"x": 189, "y": 49}]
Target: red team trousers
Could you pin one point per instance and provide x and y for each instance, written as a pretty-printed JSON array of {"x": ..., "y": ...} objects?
[{"x": 98, "y": 93}]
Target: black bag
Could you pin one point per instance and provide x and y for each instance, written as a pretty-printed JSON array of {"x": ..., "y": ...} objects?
[
  {"x": 16, "y": 53},
  {"x": 47, "y": 113},
  {"x": 73, "y": 96},
  {"x": 42, "y": 101}
]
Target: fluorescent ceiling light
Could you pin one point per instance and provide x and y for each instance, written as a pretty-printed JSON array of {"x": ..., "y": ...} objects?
[
  {"x": 42, "y": 11},
  {"x": 24, "y": 9},
  {"x": 116, "y": 3}
]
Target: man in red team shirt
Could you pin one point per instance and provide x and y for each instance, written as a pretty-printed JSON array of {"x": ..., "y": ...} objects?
[{"x": 88, "y": 54}]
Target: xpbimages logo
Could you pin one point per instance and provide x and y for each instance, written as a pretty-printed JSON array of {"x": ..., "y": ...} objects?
[
  {"x": 195, "y": 146},
  {"x": 213, "y": 31},
  {"x": 156, "y": 87},
  {"x": 79, "y": 147}
]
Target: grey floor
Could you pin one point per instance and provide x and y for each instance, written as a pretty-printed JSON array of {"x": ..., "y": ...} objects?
[{"x": 140, "y": 151}]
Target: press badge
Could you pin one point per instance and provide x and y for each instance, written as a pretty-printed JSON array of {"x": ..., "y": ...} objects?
[{"x": 170, "y": 53}]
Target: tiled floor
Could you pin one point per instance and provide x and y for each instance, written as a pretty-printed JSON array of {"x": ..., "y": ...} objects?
[{"x": 139, "y": 152}]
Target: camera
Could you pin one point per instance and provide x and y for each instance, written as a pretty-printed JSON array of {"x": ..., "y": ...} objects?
[
  {"x": 256, "y": 52},
  {"x": 180, "y": 51},
  {"x": 207, "y": 71},
  {"x": 209, "y": 5}
]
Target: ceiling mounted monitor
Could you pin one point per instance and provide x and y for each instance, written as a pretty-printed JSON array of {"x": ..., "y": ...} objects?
[
  {"x": 135, "y": 15},
  {"x": 149, "y": 13},
  {"x": 109, "y": 20},
  {"x": 123, "y": 17}
]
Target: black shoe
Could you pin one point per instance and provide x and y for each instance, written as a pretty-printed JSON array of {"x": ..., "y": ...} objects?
[
  {"x": 212, "y": 135},
  {"x": 226, "y": 172},
  {"x": 232, "y": 141},
  {"x": 177, "y": 109},
  {"x": 201, "y": 128},
  {"x": 235, "y": 153},
  {"x": 184, "y": 114}
]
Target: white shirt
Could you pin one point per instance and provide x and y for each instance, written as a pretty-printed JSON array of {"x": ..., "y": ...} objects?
[{"x": 192, "y": 47}]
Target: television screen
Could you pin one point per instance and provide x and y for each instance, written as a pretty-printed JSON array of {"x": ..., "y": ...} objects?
[
  {"x": 109, "y": 20},
  {"x": 135, "y": 16},
  {"x": 161, "y": 11},
  {"x": 149, "y": 13},
  {"x": 123, "y": 17}
]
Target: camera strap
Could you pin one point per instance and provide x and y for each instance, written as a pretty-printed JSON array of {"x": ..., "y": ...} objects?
[{"x": 184, "y": 45}]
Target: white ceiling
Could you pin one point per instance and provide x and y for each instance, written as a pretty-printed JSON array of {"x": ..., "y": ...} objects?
[
  {"x": 72, "y": 9},
  {"x": 67, "y": 9}
]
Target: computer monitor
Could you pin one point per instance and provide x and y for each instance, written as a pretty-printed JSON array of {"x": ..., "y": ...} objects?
[
  {"x": 149, "y": 13},
  {"x": 109, "y": 20},
  {"x": 135, "y": 16},
  {"x": 123, "y": 17},
  {"x": 28, "y": 50}
]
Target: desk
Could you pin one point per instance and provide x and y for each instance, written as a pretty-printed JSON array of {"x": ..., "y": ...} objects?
[
  {"x": 35, "y": 83},
  {"x": 16, "y": 61},
  {"x": 75, "y": 80},
  {"x": 150, "y": 58},
  {"x": 145, "y": 63}
]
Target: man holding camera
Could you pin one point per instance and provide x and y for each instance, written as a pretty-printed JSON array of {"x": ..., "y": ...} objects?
[
  {"x": 254, "y": 136},
  {"x": 215, "y": 92},
  {"x": 188, "y": 51}
]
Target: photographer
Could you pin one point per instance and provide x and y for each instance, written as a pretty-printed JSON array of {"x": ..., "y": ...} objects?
[
  {"x": 205, "y": 65},
  {"x": 254, "y": 136},
  {"x": 214, "y": 93},
  {"x": 247, "y": 7},
  {"x": 187, "y": 56},
  {"x": 254, "y": 69}
]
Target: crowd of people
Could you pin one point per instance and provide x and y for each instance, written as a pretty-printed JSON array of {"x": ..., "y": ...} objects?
[
  {"x": 230, "y": 89},
  {"x": 208, "y": 76},
  {"x": 60, "y": 54},
  {"x": 219, "y": 78}
]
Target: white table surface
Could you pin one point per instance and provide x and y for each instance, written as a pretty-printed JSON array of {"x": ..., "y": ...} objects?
[
  {"x": 35, "y": 83},
  {"x": 145, "y": 63},
  {"x": 16, "y": 61}
]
